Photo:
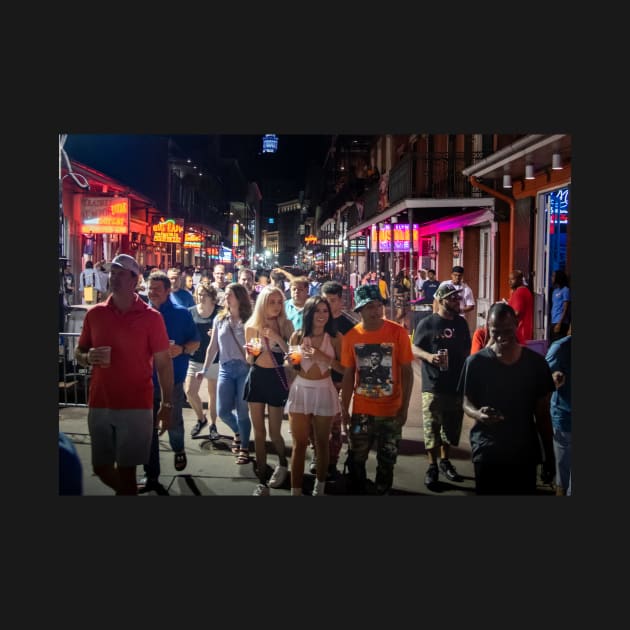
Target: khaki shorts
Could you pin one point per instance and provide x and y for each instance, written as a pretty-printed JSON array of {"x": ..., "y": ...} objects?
[{"x": 442, "y": 417}]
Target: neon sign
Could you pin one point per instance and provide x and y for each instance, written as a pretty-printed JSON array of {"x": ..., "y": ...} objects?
[
  {"x": 104, "y": 215},
  {"x": 269, "y": 143},
  {"x": 401, "y": 237},
  {"x": 167, "y": 230}
]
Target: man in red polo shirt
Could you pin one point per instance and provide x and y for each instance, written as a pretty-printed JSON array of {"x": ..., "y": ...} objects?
[
  {"x": 121, "y": 339},
  {"x": 522, "y": 302}
]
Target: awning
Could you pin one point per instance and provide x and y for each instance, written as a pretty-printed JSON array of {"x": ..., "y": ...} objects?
[{"x": 406, "y": 204}]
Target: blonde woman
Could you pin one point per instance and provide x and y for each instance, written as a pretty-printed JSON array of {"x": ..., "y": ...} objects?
[
  {"x": 267, "y": 384},
  {"x": 204, "y": 313},
  {"x": 313, "y": 398},
  {"x": 228, "y": 339}
]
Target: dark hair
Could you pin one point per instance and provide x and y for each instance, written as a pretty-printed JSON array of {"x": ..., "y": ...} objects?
[
  {"x": 431, "y": 271},
  {"x": 501, "y": 309},
  {"x": 560, "y": 278},
  {"x": 332, "y": 287},
  {"x": 162, "y": 277},
  {"x": 457, "y": 269},
  {"x": 244, "y": 302},
  {"x": 89, "y": 264},
  {"x": 308, "y": 315}
]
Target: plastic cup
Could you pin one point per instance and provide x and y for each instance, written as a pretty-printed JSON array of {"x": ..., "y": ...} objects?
[
  {"x": 255, "y": 345},
  {"x": 295, "y": 355},
  {"x": 106, "y": 355}
]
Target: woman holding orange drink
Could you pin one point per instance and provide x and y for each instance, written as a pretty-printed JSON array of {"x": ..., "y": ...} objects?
[{"x": 313, "y": 398}]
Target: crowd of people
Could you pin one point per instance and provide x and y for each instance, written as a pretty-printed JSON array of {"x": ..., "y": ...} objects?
[{"x": 284, "y": 346}]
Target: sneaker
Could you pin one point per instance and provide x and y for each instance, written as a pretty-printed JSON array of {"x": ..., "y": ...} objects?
[
  {"x": 261, "y": 491},
  {"x": 313, "y": 466},
  {"x": 196, "y": 430},
  {"x": 319, "y": 489},
  {"x": 430, "y": 479},
  {"x": 214, "y": 434},
  {"x": 448, "y": 470},
  {"x": 279, "y": 476},
  {"x": 151, "y": 485}
]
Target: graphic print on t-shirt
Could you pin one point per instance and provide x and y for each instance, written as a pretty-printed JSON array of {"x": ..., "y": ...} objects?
[{"x": 374, "y": 361}]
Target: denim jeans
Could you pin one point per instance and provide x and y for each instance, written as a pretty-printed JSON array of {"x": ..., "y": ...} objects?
[
  {"x": 562, "y": 452},
  {"x": 230, "y": 390},
  {"x": 175, "y": 433}
]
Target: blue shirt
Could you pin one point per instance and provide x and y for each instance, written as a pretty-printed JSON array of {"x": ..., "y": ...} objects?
[
  {"x": 558, "y": 298},
  {"x": 294, "y": 314},
  {"x": 181, "y": 327},
  {"x": 183, "y": 297},
  {"x": 559, "y": 359}
]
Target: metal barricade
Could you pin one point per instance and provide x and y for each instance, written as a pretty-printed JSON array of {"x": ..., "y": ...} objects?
[{"x": 74, "y": 379}]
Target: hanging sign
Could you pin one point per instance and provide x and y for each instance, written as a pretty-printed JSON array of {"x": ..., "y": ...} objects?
[
  {"x": 104, "y": 215},
  {"x": 167, "y": 230}
]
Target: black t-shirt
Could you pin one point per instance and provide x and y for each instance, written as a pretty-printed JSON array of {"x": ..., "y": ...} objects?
[
  {"x": 513, "y": 390},
  {"x": 204, "y": 324},
  {"x": 344, "y": 324},
  {"x": 434, "y": 333},
  {"x": 428, "y": 291}
]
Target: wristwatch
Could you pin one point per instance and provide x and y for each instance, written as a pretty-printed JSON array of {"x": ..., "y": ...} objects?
[{"x": 168, "y": 405}]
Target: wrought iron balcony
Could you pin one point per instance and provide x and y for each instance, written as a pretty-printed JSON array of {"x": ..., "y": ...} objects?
[{"x": 432, "y": 176}]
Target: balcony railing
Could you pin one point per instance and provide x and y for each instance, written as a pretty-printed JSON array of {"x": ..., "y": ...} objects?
[{"x": 432, "y": 176}]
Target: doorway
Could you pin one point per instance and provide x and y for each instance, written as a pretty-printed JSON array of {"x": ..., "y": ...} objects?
[{"x": 484, "y": 292}]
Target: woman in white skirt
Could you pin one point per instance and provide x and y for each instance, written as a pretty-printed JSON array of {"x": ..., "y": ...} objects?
[{"x": 313, "y": 397}]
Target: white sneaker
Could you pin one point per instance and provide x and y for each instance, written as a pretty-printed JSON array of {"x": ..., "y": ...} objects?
[
  {"x": 279, "y": 476},
  {"x": 261, "y": 491},
  {"x": 319, "y": 488}
]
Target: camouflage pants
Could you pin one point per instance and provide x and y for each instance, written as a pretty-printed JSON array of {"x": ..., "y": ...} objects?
[{"x": 364, "y": 430}]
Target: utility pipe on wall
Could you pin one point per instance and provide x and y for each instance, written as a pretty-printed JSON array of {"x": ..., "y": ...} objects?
[{"x": 511, "y": 202}]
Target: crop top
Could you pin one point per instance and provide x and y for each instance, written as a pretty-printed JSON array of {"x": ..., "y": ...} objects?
[{"x": 326, "y": 348}]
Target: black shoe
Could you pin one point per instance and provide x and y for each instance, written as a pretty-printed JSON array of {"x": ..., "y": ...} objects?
[
  {"x": 448, "y": 470},
  {"x": 149, "y": 485},
  {"x": 431, "y": 478},
  {"x": 313, "y": 466},
  {"x": 333, "y": 473},
  {"x": 196, "y": 430}
]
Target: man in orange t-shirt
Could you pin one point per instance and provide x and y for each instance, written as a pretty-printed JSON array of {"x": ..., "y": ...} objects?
[
  {"x": 379, "y": 405},
  {"x": 522, "y": 302}
]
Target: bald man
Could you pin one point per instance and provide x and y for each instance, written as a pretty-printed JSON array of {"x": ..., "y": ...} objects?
[{"x": 522, "y": 301}]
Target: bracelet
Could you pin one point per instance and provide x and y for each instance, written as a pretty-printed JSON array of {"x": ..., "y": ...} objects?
[{"x": 167, "y": 405}]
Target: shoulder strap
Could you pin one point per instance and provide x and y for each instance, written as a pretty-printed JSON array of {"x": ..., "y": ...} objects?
[{"x": 235, "y": 339}]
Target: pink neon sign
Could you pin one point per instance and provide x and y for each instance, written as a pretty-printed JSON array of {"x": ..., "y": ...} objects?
[{"x": 401, "y": 237}]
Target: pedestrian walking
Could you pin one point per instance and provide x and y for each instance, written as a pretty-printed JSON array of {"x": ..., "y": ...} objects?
[
  {"x": 442, "y": 342},
  {"x": 228, "y": 341},
  {"x": 378, "y": 412},
  {"x": 123, "y": 339},
  {"x": 184, "y": 340},
  {"x": 268, "y": 383},
  {"x": 507, "y": 389}
]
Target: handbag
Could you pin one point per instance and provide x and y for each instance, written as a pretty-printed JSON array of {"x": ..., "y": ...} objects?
[{"x": 88, "y": 293}]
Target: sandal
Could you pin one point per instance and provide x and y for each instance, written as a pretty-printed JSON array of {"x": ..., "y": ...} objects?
[
  {"x": 236, "y": 445},
  {"x": 243, "y": 456}
]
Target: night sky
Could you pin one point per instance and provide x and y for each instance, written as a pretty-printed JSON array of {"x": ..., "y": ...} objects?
[
  {"x": 138, "y": 160},
  {"x": 291, "y": 162}
]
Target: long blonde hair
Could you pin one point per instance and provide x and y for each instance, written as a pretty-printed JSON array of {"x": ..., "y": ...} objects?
[{"x": 257, "y": 320}]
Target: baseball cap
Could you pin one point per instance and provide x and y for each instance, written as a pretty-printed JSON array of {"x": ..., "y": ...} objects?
[
  {"x": 364, "y": 294},
  {"x": 445, "y": 290},
  {"x": 126, "y": 262}
]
